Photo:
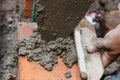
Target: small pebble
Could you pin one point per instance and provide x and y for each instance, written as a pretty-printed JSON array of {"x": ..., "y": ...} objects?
[{"x": 68, "y": 74}]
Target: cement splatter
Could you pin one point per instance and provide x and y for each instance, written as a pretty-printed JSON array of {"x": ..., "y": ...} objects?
[{"x": 68, "y": 74}]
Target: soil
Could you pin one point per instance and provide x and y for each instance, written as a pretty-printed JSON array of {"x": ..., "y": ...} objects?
[{"x": 8, "y": 27}]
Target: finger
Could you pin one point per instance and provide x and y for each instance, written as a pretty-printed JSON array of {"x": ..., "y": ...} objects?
[
  {"x": 96, "y": 46},
  {"x": 108, "y": 58},
  {"x": 91, "y": 49}
]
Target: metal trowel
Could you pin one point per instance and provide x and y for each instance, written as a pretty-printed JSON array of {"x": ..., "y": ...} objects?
[{"x": 60, "y": 17}]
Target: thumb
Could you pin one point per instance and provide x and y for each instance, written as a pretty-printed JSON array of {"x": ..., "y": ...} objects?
[{"x": 96, "y": 46}]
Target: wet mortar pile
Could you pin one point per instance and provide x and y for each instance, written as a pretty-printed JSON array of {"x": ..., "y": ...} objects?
[{"x": 46, "y": 53}]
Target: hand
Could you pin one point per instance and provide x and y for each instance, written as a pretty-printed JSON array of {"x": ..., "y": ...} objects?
[{"x": 110, "y": 44}]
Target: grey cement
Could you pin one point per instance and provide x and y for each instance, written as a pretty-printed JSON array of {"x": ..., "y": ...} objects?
[
  {"x": 53, "y": 17},
  {"x": 8, "y": 37},
  {"x": 46, "y": 53},
  {"x": 68, "y": 74}
]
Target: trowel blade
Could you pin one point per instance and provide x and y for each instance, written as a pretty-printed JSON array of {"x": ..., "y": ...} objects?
[{"x": 60, "y": 17}]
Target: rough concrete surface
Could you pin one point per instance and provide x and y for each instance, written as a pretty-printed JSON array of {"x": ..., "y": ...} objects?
[{"x": 8, "y": 26}]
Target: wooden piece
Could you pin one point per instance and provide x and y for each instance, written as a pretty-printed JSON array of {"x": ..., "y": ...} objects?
[
  {"x": 93, "y": 62},
  {"x": 79, "y": 50}
]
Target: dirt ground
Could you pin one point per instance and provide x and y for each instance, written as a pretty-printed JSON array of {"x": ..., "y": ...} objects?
[{"x": 8, "y": 35}]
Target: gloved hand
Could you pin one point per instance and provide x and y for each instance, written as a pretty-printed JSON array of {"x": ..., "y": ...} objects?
[{"x": 110, "y": 44}]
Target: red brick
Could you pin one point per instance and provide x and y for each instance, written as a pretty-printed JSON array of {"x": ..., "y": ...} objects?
[{"x": 27, "y": 8}]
